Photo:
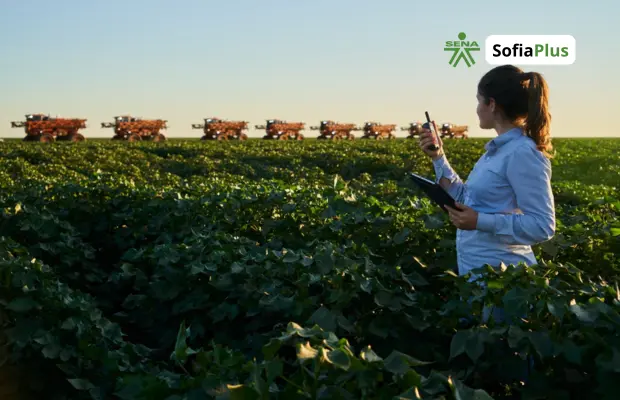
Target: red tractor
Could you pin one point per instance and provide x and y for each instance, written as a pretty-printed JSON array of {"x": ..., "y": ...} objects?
[
  {"x": 134, "y": 129},
  {"x": 452, "y": 131},
  {"x": 375, "y": 130},
  {"x": 276, "y": 129},
  {"x": 217, "y": 129},
  {"x": 330, "y": 130},
  {"x": 43, "y": 128}
]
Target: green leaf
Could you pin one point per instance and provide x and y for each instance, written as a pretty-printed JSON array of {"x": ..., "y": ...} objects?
[
  {"x": 541, "y": 343},
  {"x": 338, "y": 358},
  {"x": 557, "y": 308},
  {"x": 409, "y": 394},
  {"x": 399, "y": 363},
  {"x": 306, "y": 352},
  {"x": 495, "y": 284},
  {"x": 242, "y": 392},
  {"x": 271, "y": 348},
  {"x": 571, "y": 352},
  {"x": 475, "y": 345},
  {"x": 458, "y": 343},
  {"x": 22, "y": 304},
  {"x": 401, "y": 236},
  {"x": 584, "y": 314},
  {"x": 368, "y": 355},
  {"x": 515, "y": 302},
  {"x": 51, "y": 351},
  {"x": 274, "y": 368},
  {"x": 324, "y": 318},
  {"x": 81, "y": 384}
]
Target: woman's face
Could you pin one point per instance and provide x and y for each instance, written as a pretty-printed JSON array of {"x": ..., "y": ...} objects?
[{"x": 485, "y": 113}]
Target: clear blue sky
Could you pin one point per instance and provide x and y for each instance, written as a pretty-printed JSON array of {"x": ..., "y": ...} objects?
[{"x": 345, "y": 60}]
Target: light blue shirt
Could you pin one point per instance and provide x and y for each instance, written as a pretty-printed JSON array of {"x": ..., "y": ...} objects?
[{"x": 510, "y": 188}]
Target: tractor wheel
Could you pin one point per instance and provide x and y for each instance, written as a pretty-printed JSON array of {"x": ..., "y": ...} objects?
[
  {"x": 243, "y": 136},
  {"x": 77, "y": 137},
  {"x": 134, "y": 137},
  {"x": 159, "y": 138},
  {"x": 221, "y": 137},
  {"x": 46, "y": 138},
  {"x": 300, "y": 136}
]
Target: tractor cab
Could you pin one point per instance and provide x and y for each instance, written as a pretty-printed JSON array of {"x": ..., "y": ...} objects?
[
  {"x": 325, "y": 124},
  {"x": 125, "y": 118},
  {"x": 416, "y": 127},
  {"x": 37, "y": 117},
  {"x": 212, "y": 120},
  {"x": 270, "y": 122}
]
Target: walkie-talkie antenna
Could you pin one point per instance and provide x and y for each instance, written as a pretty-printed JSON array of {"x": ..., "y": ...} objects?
[{"x": 433, "y": 128}]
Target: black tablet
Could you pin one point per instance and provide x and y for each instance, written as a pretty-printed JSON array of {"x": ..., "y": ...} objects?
[{"x": 434, "y": 191}]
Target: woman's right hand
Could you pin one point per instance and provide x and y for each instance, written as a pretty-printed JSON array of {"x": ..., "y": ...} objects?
[{"x": 426, "y": 139}]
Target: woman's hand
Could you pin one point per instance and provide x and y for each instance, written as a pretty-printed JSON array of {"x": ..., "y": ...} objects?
[
  {"x": 465, "y": 218},
  {"x": 426, "y": 139}
]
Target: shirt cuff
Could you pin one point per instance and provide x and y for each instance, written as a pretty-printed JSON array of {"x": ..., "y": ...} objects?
[
  {"x": 440, "y": 162},
  {"x": 443, "y": 169},
  {"x": 486, "y": 222}
]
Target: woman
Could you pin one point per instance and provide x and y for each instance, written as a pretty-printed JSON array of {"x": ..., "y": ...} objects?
[{"x": 506, "y": 205}]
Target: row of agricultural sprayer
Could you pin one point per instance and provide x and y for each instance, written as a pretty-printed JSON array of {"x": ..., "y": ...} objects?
[{"x": 44, "y": 128}]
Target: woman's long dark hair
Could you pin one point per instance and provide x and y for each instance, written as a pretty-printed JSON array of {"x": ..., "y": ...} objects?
[{"x": 523, "y": 99}]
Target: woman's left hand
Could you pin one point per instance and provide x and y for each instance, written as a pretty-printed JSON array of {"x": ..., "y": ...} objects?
[{"x": 465, "y": 218}]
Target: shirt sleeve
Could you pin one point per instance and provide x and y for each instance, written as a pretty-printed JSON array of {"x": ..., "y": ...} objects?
[
  {"x": 529, "y": 173},
  {"x": 444, "y": 170}
]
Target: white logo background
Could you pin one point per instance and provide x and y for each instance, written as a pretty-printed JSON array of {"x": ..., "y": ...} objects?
[{"x": 554, "y": 41}]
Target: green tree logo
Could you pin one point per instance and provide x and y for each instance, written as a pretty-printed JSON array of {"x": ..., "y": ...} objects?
[{"x": 461, "y": 50}]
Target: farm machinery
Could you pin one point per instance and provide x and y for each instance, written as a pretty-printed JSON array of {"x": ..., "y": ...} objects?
[
  {"x": 132, "y": 129},
  {"x": 375, "y": 130},
  {"x": 217, "y": 129},
  {"x": 453, "y": 131},
  {"x": 331, "y": 130},
  {"x": 43, "y": 128},
  {"x": 447, "y": 130},
  {"x": 415, "y": 129},
  {"x": 276, "y": 129}
]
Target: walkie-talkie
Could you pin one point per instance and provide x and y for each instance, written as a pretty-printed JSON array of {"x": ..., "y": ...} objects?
[{"x": 433, "y": 129}]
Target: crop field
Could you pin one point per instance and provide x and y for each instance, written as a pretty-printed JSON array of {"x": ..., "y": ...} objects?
[{"x": 188, "y": 270}]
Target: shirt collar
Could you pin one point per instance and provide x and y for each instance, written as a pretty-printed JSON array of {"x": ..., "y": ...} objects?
[{"x": 502, "y": 139}]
